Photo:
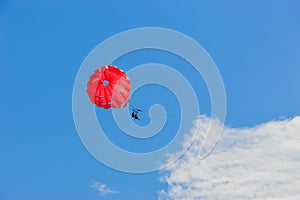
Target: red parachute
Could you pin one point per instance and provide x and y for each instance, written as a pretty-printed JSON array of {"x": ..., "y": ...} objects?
[{"x": 109, "y": 87}]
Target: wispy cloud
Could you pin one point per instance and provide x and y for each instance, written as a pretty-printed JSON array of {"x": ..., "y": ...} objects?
[
  {"x": 102, "y": 188},
  {"x": 248, "y": 163}
]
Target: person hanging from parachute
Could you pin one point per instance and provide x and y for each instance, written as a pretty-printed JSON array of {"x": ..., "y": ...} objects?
[
  {"x": 135, "y": 113},
  {"x": 109, "y": 87}
]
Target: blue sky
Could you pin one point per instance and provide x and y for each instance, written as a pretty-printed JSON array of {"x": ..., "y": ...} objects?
[{"x": 255, "y": 45}]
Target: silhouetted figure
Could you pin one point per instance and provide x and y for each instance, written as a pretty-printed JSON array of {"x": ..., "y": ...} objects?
[{"x": 135, "y": 113}]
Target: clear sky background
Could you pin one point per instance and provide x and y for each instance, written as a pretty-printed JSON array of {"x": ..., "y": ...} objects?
[{"x": 255, "y": 45}]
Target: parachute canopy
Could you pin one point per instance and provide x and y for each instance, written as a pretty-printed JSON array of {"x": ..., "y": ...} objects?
[{"x": 109, "y": 87}]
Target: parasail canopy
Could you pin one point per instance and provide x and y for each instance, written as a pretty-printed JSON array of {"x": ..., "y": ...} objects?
[{"x": 109, "y": 87}]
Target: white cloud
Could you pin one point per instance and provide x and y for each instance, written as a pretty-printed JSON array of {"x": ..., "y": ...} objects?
[
  {"x": 102, "y": 188},
  {"x": 247, "y": 163}
]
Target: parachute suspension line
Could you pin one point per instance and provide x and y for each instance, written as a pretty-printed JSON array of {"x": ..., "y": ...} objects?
[
  {"x": 133, "y": 107},
  {"x": 132, "y": 104}
]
